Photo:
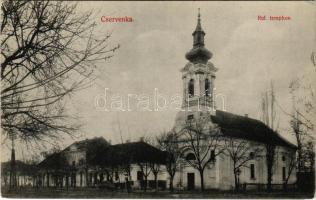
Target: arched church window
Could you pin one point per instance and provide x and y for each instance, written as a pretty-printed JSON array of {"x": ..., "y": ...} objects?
[
  {"x": 190, "y": 156},
  {"x": 207, "y": 87},
  {"x": 191, "y": 88}
]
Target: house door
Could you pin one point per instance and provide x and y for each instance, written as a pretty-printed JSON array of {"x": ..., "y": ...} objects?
[{"x": 190, "y": 181}]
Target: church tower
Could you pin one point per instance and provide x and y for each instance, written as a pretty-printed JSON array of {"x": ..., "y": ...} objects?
[{"x": 198, "y": 77}]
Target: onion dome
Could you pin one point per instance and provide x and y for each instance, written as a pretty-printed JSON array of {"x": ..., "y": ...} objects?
[{"x": 198, "y": 54}]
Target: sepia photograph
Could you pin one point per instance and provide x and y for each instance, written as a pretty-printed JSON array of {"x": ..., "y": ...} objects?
[{"x": 158, "y": 99}]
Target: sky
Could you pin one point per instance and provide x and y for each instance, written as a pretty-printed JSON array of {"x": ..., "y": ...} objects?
[{"x": 248, "y": 53}]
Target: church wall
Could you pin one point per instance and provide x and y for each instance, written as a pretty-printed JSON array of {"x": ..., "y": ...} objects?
[{"x": 221, "y": 176}]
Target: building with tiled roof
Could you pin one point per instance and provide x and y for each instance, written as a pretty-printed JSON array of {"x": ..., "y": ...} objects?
[
  {"x": 198, "y": 104},
  {"x": 92, "y": 162}
]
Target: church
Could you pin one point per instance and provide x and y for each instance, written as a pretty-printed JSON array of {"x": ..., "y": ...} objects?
[{"x": 229, "y": 149}]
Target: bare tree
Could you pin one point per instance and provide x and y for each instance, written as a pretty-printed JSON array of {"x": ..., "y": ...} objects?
[
  {"x": 48, "y": 51},
  {"x": 269, "y": 118},
  {"x": 304, "y": 101},
  {"x": 146, "y": 170},
  {"x": 203, "y": 142},
  {"x": 291, "y": 165},
  {"x": 303, "y": 116},
  {"x": 299, "y": 134},
  {"x": 240, "y": 152},
  {"x": 169, "y": 143},
  {"x": 154, "y": 166}
]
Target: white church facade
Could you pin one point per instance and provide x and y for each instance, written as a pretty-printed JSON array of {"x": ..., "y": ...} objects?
[{"x": 251, "y": 135}]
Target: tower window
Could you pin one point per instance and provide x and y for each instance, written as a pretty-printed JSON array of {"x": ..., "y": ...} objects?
[
  {"x": 283, "y": 158},
  {"x": 252, "y": 171},
  {"x": 207, "y": 87},
  {"x": 191, "y": 88}
]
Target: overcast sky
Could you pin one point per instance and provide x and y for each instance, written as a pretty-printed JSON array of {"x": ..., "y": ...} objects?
[{"x": 248, "y": 53}]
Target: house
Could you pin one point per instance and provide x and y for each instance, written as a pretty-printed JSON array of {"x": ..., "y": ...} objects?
[
  {"x": 91, "y": 162},
  {"x": 135, "y": 162},
  {"x": 73, "y": 166}
]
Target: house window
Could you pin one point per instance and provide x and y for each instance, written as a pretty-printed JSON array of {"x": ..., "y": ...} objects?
[
  {"x": 252, "y": 171},
  {"x": 190, "y": 117},
  {"x": 207, "y": 87},
  {"x": 81, "y": 162},
  {"x": 212, "y": 156},
  {"x": 139, "y": 175},
  {"x": 191, "y": 88},
  {"x": 283, "y": 173},
  {"x": 190, "y": 156},
  {"x": 283, "y": 158}
]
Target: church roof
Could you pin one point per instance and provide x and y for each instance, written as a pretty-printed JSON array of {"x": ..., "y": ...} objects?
[{"x": 247, "y": 128}]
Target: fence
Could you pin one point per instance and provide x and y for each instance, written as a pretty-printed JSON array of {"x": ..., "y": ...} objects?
[{"x": 263, "y": 187}]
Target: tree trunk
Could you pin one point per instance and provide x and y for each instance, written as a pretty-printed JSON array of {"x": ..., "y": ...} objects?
[
  {"x": 270, "y": 161},
  {"x": 156, "y": 181},
  {"x": 236, "y": 182},
  {"x": 269, "y": 185},
  {"x": 202, "y": 179},
  {"x": 145, "y": 184},
  {"x": 12, "y": 180},
  {"x": 67, "y": 182},
  {"x": 171, "y": 184}
]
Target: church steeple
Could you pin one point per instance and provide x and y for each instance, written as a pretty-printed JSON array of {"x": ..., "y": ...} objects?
[
  {"x": 198, "y": 34},
  {"x": 198, "y": 54},
  {"x": 198, "y": 78}
]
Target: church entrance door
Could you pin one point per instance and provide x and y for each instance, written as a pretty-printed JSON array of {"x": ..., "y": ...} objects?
[{"x": 191, "y": 181}]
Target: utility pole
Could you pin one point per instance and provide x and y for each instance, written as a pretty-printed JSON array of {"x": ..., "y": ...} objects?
[{"x": 12, "y": 163}]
